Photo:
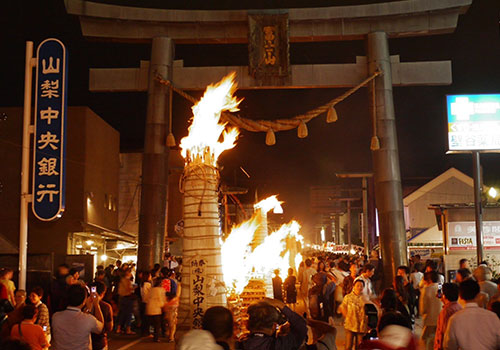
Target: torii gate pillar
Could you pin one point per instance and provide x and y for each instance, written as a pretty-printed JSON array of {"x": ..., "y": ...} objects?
[
  {"x": 155, "y": 158},
  {"x": 388, "y": 192}
]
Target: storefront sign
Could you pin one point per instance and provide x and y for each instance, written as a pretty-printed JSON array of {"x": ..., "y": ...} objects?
[
  {"x": 473, "y": 122},
  {"x": 198, "y": 288},
  {"x": 425, "y": 253},
  {"x": 341, "y": 248},
  {"x": 50, "y": 123},
  {"x": 462, "y": 235}
]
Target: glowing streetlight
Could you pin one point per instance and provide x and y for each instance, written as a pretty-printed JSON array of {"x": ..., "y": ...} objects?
[
  {"x": 104, "y": 257},
  {"x": 492, "y": 192}
]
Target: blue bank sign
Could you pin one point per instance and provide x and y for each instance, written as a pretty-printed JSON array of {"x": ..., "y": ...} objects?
[
  {"x": 473, "y": 122},
  {"x": 49, "y": 135}
]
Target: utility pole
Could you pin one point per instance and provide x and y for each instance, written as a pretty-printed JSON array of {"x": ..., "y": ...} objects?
[
  {"x": 25, "y": 166},
  {"x": 478, "y": 206}
]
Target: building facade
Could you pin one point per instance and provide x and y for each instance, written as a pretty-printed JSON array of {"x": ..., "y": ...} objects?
[{"x": 88, "y": 227}]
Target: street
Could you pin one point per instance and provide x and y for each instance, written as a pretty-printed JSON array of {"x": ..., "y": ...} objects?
[{"x": 124, "y": 342}]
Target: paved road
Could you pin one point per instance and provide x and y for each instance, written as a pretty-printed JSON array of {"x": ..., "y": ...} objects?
[{"x": 124, "y": 342}]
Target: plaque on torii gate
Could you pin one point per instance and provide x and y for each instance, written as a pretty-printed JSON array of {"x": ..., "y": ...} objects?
[{"x": 374, "y": 23}]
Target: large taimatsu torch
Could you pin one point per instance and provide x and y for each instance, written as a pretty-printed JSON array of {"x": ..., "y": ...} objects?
[{"x": 202, "y": 278}]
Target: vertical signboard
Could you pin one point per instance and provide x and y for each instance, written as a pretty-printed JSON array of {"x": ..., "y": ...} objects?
[
  {"x": 198, "y": 290},
  {"x": 473, "y": 122},
  {"x": 50, "y": 123},
  {"x": 269, "y": 48}
]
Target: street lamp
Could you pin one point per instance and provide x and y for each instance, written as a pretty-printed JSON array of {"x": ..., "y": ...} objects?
[{"x": 493, "y": 192}]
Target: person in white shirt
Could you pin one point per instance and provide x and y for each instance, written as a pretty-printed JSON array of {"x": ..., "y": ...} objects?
[
  {"x": 170, "y": 261},
  {"x": 146, "y": 286},
  {"x": 71, "y": 328},
  {"x": 155, "y": 301},
  {"x": 483, "y": 275},
  {"x": 430, "y": 307},
  {"x": 367, "y": 272},
  {"x": 431, "y": 265},
  {"x": 339, "y": 276},
  {"x": 415, "y": 278},
  {"x": 472, "y": 327},
  {"x": 307, "y": 284}
]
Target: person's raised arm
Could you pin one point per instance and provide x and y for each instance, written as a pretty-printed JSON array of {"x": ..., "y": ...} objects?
[
  {"x": 108, "y": 320},
  {"x": 298, "y": 327},
  {"x": 97, "y": 308}
]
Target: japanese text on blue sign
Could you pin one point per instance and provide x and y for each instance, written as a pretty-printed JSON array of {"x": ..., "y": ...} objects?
[{"x": 50, "y": 123}]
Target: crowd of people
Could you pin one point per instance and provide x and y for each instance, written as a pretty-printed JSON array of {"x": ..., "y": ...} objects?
[
  {"x": 327, "y": 289},
  {"x": 73, "y": 315},
  {"x": 350, "y": 286}
]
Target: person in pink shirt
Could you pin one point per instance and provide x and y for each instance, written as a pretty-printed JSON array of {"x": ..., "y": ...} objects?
[{"x": 449, "y": 297}]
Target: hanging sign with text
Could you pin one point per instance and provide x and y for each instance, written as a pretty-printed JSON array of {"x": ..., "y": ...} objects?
[
  {"x": 462, "y": 235},
  {"x": 49, "y": 133},
  {"x": 473, "y": 122},
  {"x": 268, "y": 48}
]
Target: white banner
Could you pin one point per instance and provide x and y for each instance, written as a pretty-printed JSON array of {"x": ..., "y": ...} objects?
[{"x": 462, "y": 235}]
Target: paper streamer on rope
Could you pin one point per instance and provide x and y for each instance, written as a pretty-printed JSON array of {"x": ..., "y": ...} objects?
[
  {"x": 302, "y": 130},
  {"x": 375, "y": 143},
  {"x": 331, "y": 116},
  {"x": 270, "y": 138},
  {"x": 170, "y": 140}
]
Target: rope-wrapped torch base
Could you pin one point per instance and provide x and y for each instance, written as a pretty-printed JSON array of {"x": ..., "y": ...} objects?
[{"x": 201, "y": 239}]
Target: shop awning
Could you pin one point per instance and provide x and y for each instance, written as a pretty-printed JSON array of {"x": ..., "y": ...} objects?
[
  {"x": 432, "y": 237},
  {"x": 111, "y": 233},
  {"x": 6, "y": 247}
]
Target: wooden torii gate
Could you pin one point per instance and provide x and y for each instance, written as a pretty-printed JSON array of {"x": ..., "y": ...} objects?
[{"x": 374, "y": 23}]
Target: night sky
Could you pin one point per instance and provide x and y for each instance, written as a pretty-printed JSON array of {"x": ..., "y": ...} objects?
[{"x": 292, "y": 165}]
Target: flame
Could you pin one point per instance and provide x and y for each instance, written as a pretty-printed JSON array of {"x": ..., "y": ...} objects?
[
  {"x": 269, "y": 203},
  {"x": 202, "y": 143},
  {"x": 240, "y": 263},
  {"x": 234, "y": 252}
]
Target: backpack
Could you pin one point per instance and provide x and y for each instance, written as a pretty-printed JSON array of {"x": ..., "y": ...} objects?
[{"x": 170, "y": 287}]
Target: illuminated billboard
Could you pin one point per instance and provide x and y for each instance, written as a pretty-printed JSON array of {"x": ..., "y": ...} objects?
[{"x": 473, "y": 122}]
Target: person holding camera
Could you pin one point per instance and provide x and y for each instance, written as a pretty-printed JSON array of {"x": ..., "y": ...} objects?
[
  {"x": 71, "y": 328},
  {"x": 273, "y": 326},
  {"x": 100, "y": 340}
]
